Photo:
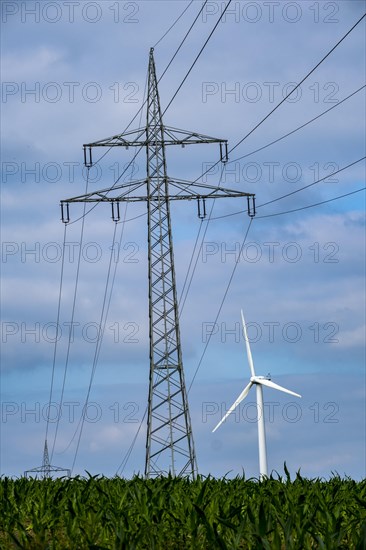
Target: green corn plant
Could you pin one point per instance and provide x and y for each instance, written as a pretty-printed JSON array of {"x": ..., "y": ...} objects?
[{"x": 169, "y": 513}]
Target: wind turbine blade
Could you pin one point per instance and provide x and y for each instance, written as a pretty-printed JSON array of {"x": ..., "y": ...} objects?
[
  {"x": 271, "y": 384},
  {"x": 249, "y": 353},
  {"x": 242, "y": 396}
]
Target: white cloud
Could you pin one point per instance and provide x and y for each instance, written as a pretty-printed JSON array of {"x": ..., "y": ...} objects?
[{"x": 32, "y": 65}]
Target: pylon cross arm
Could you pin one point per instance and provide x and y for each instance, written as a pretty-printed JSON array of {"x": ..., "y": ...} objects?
[
  {"x": 168, "y": 136},
  {"x": 180, "y": 190}
]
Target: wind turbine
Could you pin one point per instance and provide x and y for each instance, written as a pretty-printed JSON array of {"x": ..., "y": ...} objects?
[{"x": 259, "y": 382}]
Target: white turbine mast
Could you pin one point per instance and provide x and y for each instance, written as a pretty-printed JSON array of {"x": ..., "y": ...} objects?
[{"x": 259, "y": 382}]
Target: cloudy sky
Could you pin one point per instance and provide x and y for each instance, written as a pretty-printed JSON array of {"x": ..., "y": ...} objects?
[{"x": 75, "y": 72}]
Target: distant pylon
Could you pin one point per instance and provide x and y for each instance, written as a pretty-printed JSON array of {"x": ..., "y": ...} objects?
[
  {"x": 46, "y": 469},
  {"x": 169, "y": 442}
]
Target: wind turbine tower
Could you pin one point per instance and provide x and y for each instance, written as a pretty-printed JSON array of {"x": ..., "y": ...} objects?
[{"x": 259, "y": 382}]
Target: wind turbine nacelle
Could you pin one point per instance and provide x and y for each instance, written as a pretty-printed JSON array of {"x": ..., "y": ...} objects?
[{"x": 255, "y": 379}]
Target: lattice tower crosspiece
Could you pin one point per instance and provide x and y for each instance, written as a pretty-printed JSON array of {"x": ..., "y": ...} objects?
[{"x": 169, "y": 442}]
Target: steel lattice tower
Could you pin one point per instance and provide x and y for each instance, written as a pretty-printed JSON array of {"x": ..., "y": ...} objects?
[
  {"x": 168, "y": 422},
  {"x": 46, "y": 469},
  {"x": 169, "y": 443}
]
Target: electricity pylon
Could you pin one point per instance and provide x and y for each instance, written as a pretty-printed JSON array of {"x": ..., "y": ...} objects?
[
  {"x": 46, "y": 469},
  {"x": 169, "y": 443}
]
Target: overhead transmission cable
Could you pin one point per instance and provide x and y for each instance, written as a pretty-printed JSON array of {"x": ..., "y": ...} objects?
[
  {"x": 57, "y": 332},
  {"x": 197, "y": 57},
  {"x": 140, "y": 111},
  {"x": 237, "y": 261},
  {"x": 269, "y": 144},
  {"x": 293, "y": 192},
  {"x": 126, "y": 457},
  {"x": 288, "y": 95},
  {"x": 232, "y": 149},
  {"x": 253, "y": 129},
  {"x": 299, "y": 84},
  {"x": 99, "y": 342},
  {"x": 299, "y": 127},
  {"x": 311, "y": 184},
  {"x": 101, "y": 330},
  {"x": 184, "y": 39},
  {"x": 173, "y": 24},
  {"x": 181, "y": 306},
  {"x": 243, "y": 243},
  {"x": 312, "y": 205},
  {"x": 96, "y": 357},
  {"x": 262, "y": 120},
  {"x": 267, "y": 116},
  {"x": 72, "y": 320},
  {"x": 241, "y": 141},
  {"x": 280, "y": 103},
  {"x": 221, "y": 303}
]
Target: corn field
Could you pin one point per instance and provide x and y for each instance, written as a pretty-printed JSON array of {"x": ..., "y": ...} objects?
[{"x": 174, "y": 513}]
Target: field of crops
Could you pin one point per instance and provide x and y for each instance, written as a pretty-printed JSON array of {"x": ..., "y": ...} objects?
[{"x": 168, "y": 513}]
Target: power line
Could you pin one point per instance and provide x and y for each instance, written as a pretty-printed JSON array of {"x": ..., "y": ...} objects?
[
  {"x": 271, "y": 111},
  {"x": 261, "y": 122},
  {"x": 123, "y": 464},
  {"x": 110, "y": 294},
  {"x": 198, "y": 55},
  {"x": 240, "y": 212},
  {"x": 272, "y": 143},
  {"x": 261, "y": 149},
  {"x": 292, "y": 192},
  {"x": 312, "y": 205},
  {"x": 184, "y": 39},
  {"x": 221, "y": 304},
  {"x": 72, "y": 320},
  {"x": 173, "y": 25},
  {"x": 99, "y": 342},
  {"x": 311, "y": 184},
  {"x": 237, "y": 261},
  {"x": 309, "y": 73},
  {"x": 186, "y": 76},
  {"x": 181, "y": 307},
  {"x": 102, "y": 324},
  {"x": 287, "y": 96},
  {"x": 298, "y": 128},
  {"x": 143, "y": 104},
  {"x": 57, "y": 331},
  {"x": 299, "y": 84},
  {"x": 199, "y": 250}
]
